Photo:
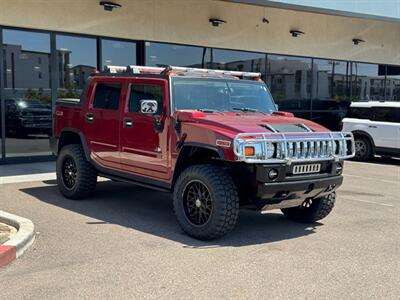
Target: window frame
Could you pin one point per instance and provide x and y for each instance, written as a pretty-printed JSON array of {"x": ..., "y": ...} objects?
[
  {"x": 368, "y": 109},
  {"x": 131, "y": 85},
  {"x": 94, "y": 91},
  {"x": 389, "y": 108}
]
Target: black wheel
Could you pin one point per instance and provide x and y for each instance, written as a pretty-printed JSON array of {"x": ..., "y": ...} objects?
[
  {"x": 206, "y": 202},
  {"x": 76, "y": 177},
  {"x": 363, "y": 148},
  {"x": 311, "y": 210}
]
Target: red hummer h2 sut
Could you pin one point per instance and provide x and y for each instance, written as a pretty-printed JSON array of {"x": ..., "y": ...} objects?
[{"x": 213, "y": 138}]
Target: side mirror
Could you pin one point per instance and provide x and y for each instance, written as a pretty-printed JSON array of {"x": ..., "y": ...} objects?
[{"x": 148, "y": 107}]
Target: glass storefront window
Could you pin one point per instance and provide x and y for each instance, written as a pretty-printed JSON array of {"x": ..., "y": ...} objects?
[
  {"x": 76, "y": 58},
  {"x": 367, "y": 84},
  {"x": 159, "y": 54},
  {"x": 238, "y": 61},
  {"x": 118, "y": 53},
  {"x": 320, "y": 89},
  {"x": 330, "y": 92},
  {"x": 393, "y": 83},
  {"x": 27, "y": 93},
  {"x": 289, "y": 79}
]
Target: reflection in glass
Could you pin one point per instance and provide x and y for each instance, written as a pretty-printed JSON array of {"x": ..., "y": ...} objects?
[
  {"x": 238, "y": 61},
  {"x": 118, "y": 53},
  {"x": 76, "y": 58},
  {"x": 393, "y": 83},
  {"x": 289, "y": 79},
  {"x": 28, "y": 114},
  {"x": 336, "y": 84},
  {"x": 331, "y": 88},
  {"x": 367, "y": 84},
  {"x": 159, "y": 54}
]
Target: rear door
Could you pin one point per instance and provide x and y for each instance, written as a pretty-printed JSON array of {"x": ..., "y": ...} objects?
[
  {"x": 386, "y": 122},
  {"x": 144, "y": 144},
  {"x": 102, "y": 123}
]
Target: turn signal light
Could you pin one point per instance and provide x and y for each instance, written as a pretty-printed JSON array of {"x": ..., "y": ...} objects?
[{"x": 249, "y": 151}]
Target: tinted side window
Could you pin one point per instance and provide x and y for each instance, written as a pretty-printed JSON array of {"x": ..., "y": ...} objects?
[
  {"x": 359, "y": 113},
  {"x": 386, "y": 114},
  {"x": 107, "y": 96},
  {"x": 145, "y": 92}
]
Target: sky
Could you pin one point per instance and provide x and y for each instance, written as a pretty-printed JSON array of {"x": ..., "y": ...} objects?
[{"x": 387, "y": 8}]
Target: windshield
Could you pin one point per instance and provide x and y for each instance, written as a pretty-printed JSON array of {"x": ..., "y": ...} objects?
[{"x": 221, "y": 95}]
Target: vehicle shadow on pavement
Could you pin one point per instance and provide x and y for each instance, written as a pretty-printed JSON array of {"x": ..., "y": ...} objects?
[
  {"x": 385, "y": 161},
  {"x": 151, "y": 212}
]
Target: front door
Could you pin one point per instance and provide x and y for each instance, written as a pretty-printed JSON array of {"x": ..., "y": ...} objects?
[
  {"x": 143, "y": 135},
  {"x": 102, "y": 122}
]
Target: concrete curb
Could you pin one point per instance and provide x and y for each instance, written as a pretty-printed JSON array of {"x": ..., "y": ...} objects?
[{"x": 21, "y": 241}]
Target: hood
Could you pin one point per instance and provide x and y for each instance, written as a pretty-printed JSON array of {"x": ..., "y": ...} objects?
[{"x": 234, "y": 123}]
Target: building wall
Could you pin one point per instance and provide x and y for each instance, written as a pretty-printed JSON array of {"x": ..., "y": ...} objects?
[{"x": 186, "y": 22}]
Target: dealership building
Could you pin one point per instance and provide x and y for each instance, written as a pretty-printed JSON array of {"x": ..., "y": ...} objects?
[{"x": 315, "y": 61}]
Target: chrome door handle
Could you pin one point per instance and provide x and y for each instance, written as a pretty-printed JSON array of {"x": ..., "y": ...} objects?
[
  {"x": 89, "y": 117},
  {"x": 128, "y": 123}
]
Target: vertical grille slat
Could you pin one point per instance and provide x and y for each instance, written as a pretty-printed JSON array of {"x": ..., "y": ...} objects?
[
  {"x": 297, "y": 150},
  {"x": 311, "y": 149}
]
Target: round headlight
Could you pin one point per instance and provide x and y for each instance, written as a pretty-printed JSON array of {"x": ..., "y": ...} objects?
[
  {"x": 339, "y": 169},
  {"x": 270, "y": 150}
]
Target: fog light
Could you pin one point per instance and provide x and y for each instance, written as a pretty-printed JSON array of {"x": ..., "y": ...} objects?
[
  {"x": 273, "y": 174},
  {"x": 339, "y": 169}
]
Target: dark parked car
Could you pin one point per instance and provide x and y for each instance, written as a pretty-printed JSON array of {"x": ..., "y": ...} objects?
[{"x": 27, "y": 116}]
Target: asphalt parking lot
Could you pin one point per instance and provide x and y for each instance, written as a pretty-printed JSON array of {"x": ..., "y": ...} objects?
[{"x": 125, "y": 243}]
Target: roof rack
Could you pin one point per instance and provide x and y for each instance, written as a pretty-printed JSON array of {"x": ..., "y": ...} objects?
[{"x": 180, "y": 70}]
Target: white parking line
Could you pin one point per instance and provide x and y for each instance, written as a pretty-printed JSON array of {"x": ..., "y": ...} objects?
[
  {"x": 370, "y": 202},
  {"x": 27, "y": 178},
  {"x": 375, "y": 179}
]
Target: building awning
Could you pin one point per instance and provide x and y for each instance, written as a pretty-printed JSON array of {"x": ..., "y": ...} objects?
[{"x": 319, "y": 10}]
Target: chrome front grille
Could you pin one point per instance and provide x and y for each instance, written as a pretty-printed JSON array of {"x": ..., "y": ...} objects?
[
  {"x": 310, "y": 149},
  {"x": 288, "y": 147}
]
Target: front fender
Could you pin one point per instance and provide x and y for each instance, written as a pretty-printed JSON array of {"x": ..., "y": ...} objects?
[{"x": 209, "y": 137}]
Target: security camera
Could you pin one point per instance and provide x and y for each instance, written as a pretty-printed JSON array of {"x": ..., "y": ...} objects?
[
  {"x": 216, "y": 22},
  {"x": 109, "y": 6}
]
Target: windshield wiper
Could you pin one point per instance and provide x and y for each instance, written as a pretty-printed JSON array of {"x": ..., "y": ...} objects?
[
  {"x": 207, "y": 110},
  {"x": 245, "y": 109}
]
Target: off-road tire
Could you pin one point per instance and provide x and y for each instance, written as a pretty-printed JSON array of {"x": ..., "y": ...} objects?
[
  {"x": 224, "y": 199},
  {"x": 86, "y": 174},
  {"x": 319, "y": 209},
  {"x": 364, "y": 153}
]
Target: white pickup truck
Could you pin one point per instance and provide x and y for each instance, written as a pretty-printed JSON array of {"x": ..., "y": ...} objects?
[{"x": 376, "y": 128}]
